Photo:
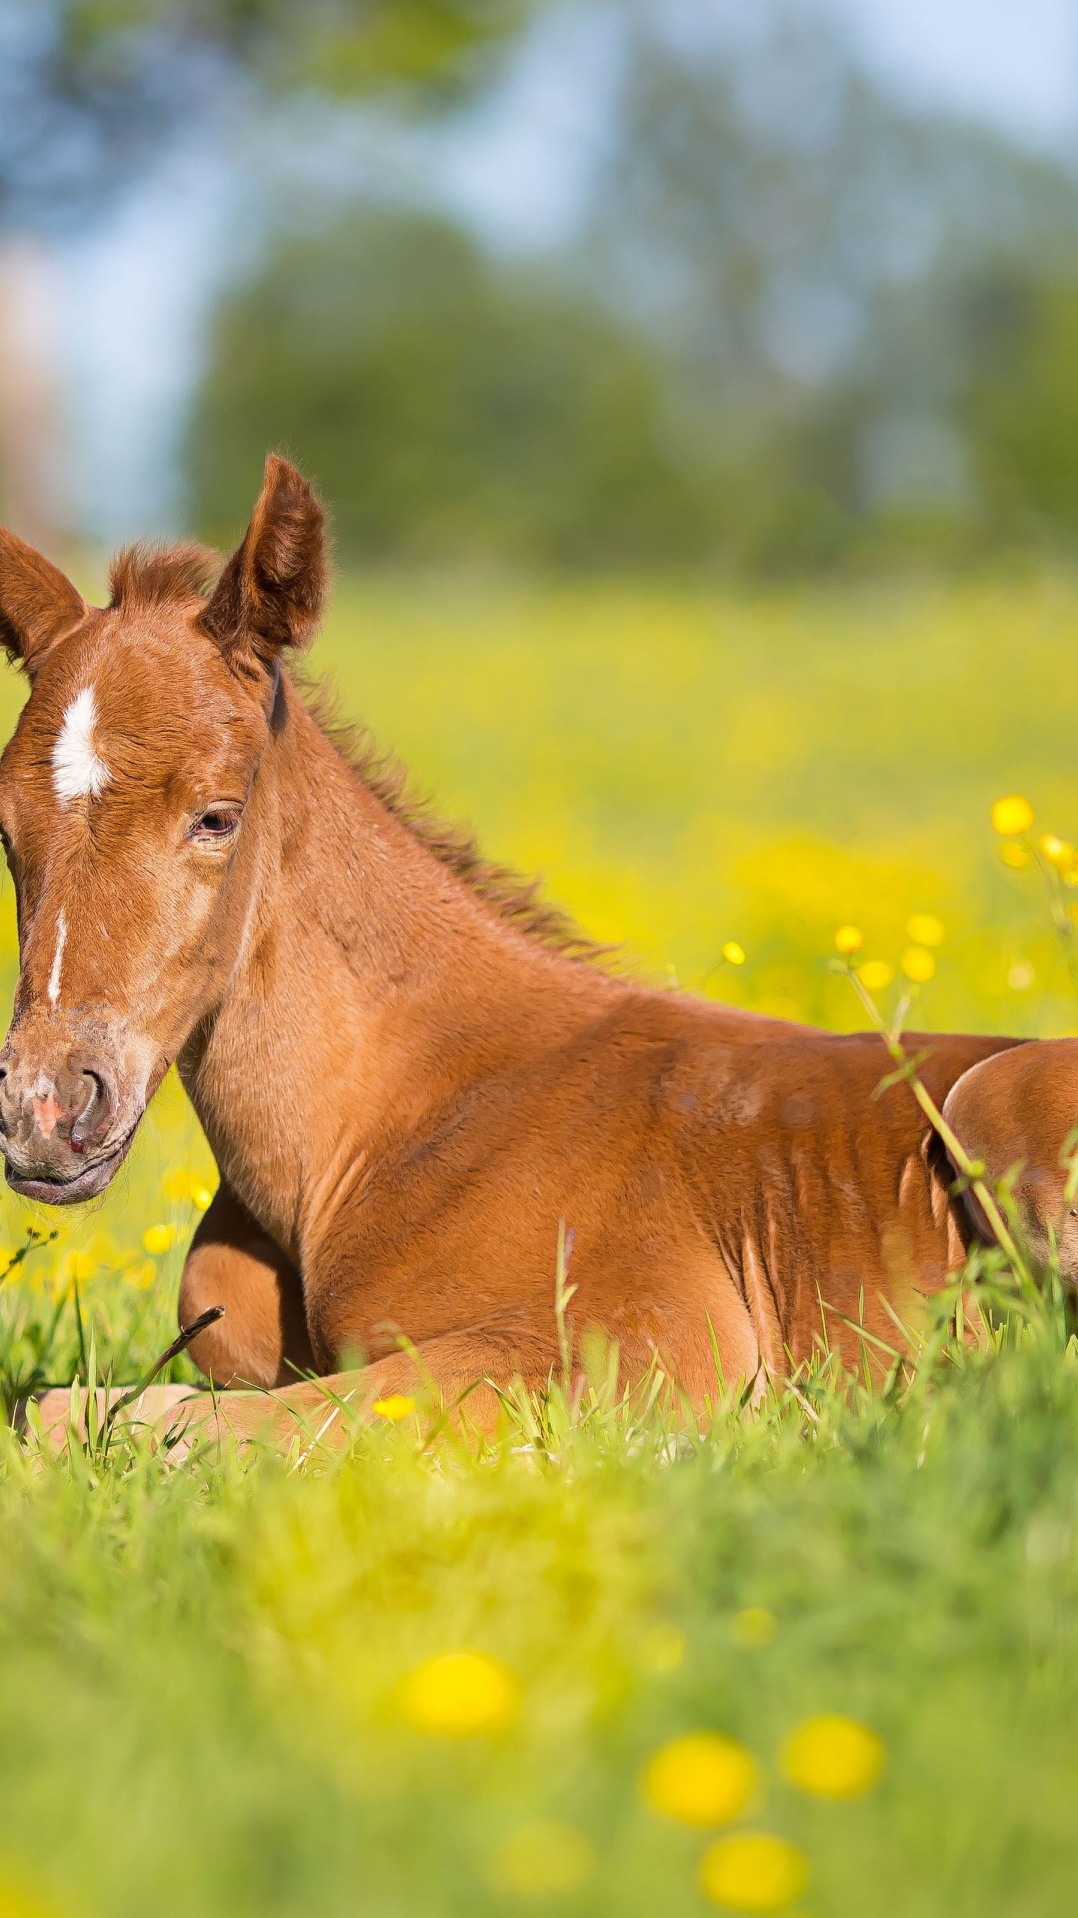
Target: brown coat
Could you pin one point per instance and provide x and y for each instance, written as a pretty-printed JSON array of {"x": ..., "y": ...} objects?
[{"x": 407, "y": 1070}]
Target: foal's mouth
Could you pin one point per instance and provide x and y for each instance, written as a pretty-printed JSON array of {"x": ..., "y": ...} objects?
[{"x": 90, "y": 1180}]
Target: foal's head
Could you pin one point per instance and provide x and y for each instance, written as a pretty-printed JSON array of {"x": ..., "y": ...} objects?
[{"x": 128, "y": 808}]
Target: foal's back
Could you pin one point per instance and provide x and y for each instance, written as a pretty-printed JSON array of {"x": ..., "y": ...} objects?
[{"x": 729, "y": 1180}]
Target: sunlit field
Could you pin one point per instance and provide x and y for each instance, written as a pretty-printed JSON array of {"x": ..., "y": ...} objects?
[{"x": 225, "y": 1688}]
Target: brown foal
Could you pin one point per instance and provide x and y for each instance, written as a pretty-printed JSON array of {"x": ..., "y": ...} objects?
[{"x": 408, "y": 1071}]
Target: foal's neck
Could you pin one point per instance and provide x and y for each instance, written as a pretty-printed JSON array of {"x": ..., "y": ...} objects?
[{"x": 373, "y": 984}]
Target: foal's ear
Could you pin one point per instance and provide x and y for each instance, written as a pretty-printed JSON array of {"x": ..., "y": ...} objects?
[
  {"x": 271, "y": 592},
  {"x": 38, "y": 604}
]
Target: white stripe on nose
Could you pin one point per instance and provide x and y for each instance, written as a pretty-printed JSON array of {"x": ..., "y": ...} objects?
[{"x": 58, "y": 960}]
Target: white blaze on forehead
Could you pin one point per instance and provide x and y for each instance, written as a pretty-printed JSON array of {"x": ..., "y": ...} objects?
[
  {"x": 77, "y": 772},
  {"x": 58, "y": 960}
]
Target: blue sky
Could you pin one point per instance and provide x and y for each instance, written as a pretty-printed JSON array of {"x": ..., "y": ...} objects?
[{"x": 1014, "y": 62}]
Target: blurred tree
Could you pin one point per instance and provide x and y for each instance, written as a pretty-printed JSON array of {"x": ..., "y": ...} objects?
[
  {"x": 446, "y": 406},
  {"x": 799, "y": 245},
  {"x": 92, "y": 90},
  {"x": 760, "y": 349},
  {"x": 1020, "y": 404}
]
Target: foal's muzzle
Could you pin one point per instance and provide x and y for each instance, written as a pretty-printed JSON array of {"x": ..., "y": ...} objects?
[{"x": 62, "y": 1132}]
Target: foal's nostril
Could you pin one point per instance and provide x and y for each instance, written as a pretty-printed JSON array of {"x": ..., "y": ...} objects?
[{"x": 94, "y": 1112}]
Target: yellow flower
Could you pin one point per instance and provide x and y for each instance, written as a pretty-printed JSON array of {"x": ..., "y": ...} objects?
[
  {"x": 876, "y": 974},
  {"x": 849, "y": 938},
  {"x": 753, "y": 1871},
  {"x": 80, "y": 1266},
  {"x": 701, "y": 1779},
  {"x": 833, "y": 1757},
  {"x": 158, "y": 1238},
  {"x": 1011, "y": 816},
  {"x": 733, "y": 954},
  {"x": 182, "y": 1184},
  {"x": 925, "y": 929},
  {"x": 1015, "y": 856},
  {"x": 918, "y": 965},
  {"x": 396, "y": 1406},
  {"x": 1058, "y": 852},
  {"x": 541, "y": 1859},
  {"x": 754, "y": 1626},
  {"x": 459, "y": 1693}
]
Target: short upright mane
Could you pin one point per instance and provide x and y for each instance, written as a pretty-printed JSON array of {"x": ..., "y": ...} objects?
[
  {"x": 146, "y": 575},
  {"x": 512, "y": 896}
]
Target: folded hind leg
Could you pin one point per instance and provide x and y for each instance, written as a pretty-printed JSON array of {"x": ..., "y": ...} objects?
[
  {"x": 1015, "y": 1113},
  {"x": 262, "y": 1338}
]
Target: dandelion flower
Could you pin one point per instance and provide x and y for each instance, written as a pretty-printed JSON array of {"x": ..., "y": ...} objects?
[
  {"x": 395, "y": 1407},
  {"x": 182, "y": 1184},
  {"x": 849, "y": 939},
  {"x": 833, "y": 1757},
  {"x": 733, "y": 954},
  {"x": 754, "y": 1871},
  {"x": 541, "y": 1859},
  {"x": 1058, "y": 852},
  {"x": 459, "y": 1693},
  {"x": 1015, "y": 856},
  {"x": 1011, "y": 816},
  {"x": 925, "y": 929},
  {"x": 159, "y": 1238},
  {"x": 918, "y": 964},
  {"x": 754, "y": 1626},
  {"x": 876, "y": 974},
  {"x": 701, "y": 1779}
]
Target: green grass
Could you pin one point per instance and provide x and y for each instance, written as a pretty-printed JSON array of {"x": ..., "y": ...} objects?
[
  {"x": 201, "y": 1707},
  {"x": 200, "y": 1710}
]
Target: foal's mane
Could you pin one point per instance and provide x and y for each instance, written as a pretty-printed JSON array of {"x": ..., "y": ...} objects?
[
  {"x": 513, "y": 896},
  {"x": 147, "y": 575}
]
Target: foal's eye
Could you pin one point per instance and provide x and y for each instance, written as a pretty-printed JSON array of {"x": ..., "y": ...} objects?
[{"x": 214, "y": 826}]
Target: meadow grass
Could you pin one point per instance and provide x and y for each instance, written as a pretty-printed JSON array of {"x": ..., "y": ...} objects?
[{"x": 216, "y": 1694}]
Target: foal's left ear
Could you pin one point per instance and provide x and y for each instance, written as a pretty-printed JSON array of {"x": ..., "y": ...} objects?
[{"x": 271, "y": 592}]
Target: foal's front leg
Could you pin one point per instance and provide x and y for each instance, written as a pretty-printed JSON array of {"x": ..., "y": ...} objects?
[
  {"x": 458, "y": 1371},
  {"x": 262, "y": 1339},
  {"x": 320, "y": 1414}
]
